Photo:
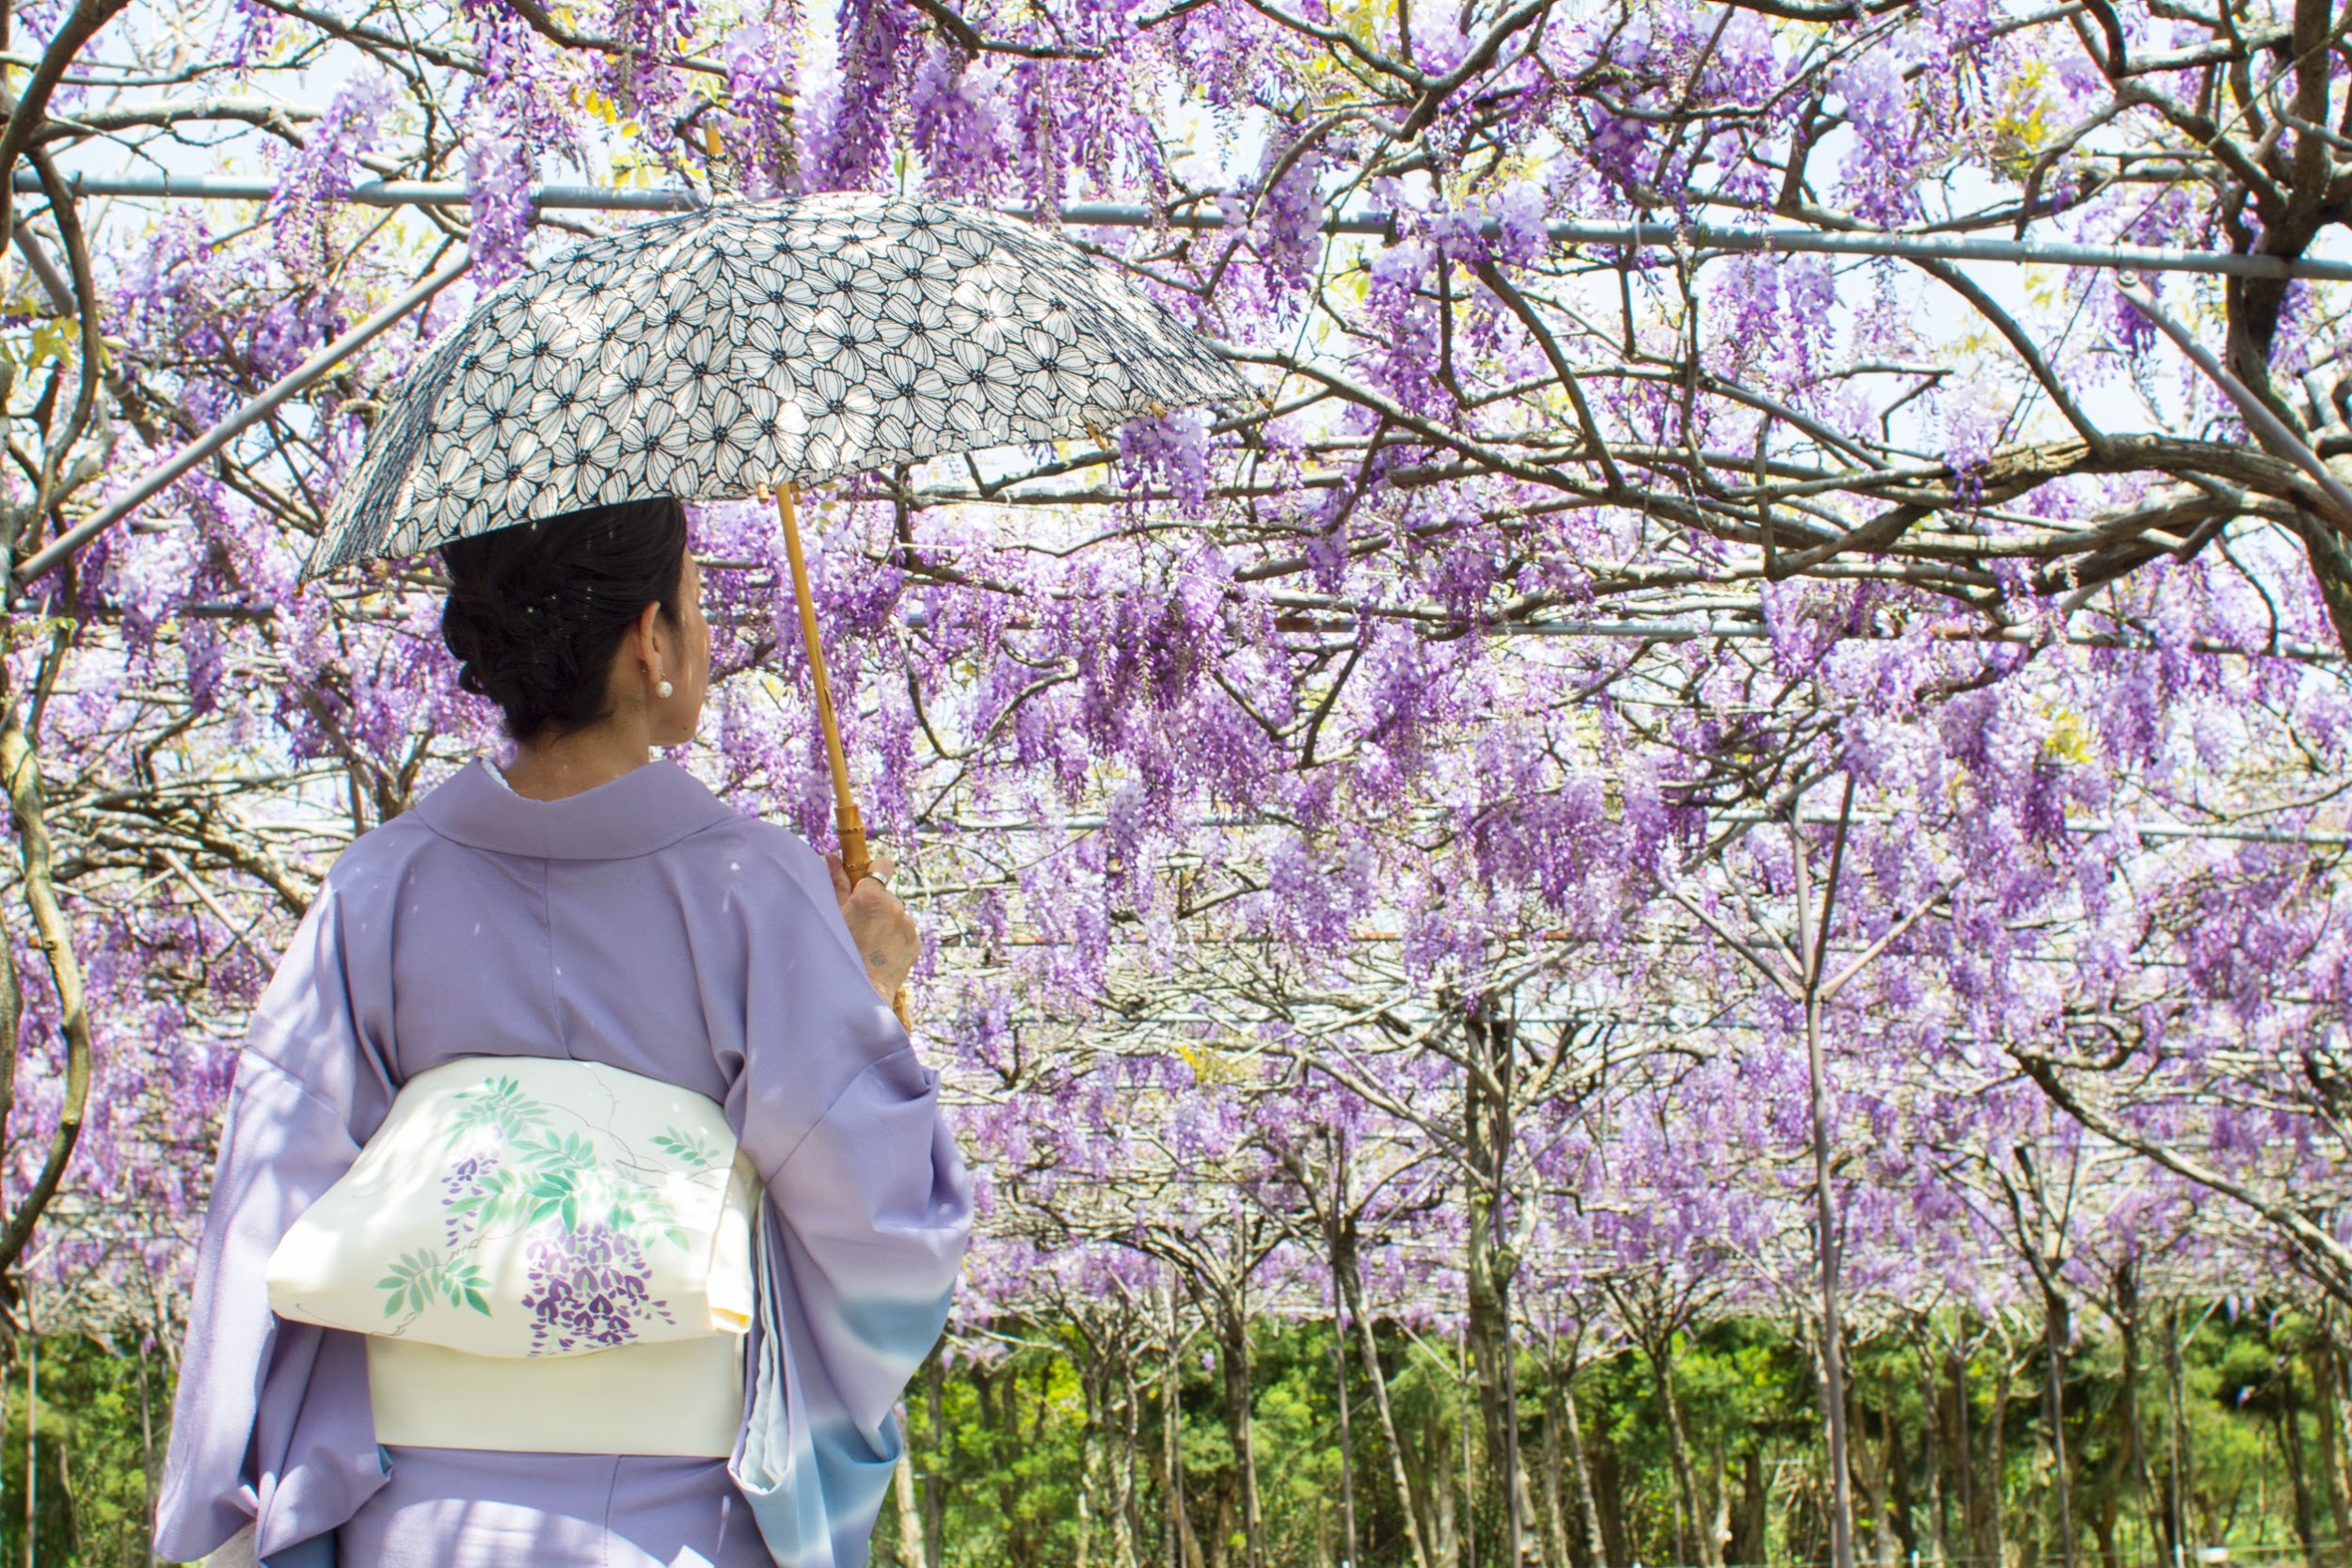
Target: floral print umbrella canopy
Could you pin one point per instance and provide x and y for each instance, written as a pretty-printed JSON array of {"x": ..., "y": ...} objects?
[{"x": 758, "y": 344}]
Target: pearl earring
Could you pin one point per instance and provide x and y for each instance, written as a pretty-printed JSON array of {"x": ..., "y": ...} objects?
[{"x": 664, "y": 689}]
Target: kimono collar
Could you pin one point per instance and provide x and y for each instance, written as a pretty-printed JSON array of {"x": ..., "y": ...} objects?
[{"x": 643, "y": 809}]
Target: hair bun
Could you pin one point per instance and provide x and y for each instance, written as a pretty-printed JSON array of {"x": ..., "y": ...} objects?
[{"x": 536, "y": 611}]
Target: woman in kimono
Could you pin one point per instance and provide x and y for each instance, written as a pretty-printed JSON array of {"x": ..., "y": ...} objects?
[{"x": 587, "y": 902}]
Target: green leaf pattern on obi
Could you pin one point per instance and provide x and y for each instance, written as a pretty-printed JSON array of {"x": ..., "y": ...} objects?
[
  {"x": 421, "y": 1279},
  {"x": 588, "y": 1212},
  {"x": 688, "y": 1148}
]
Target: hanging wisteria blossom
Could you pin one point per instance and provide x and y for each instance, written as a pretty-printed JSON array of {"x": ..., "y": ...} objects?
[{"x": 761, "y": 343}]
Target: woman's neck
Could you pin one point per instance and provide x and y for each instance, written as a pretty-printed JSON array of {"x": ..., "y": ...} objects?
[{"x": 550, "y": 769}]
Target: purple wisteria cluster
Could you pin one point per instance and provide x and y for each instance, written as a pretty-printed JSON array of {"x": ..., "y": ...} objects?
[{"x": 315, "y": 182}]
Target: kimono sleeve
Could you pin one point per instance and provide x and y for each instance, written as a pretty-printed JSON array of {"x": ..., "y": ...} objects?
[
  {"x": 869, "y": 1209},
  {"x": 252, "y": 1441}
]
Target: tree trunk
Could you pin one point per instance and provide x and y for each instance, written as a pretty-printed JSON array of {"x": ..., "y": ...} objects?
[
  {"x": 935, "y": 1405},
  {"x": 2176, "y": 1421},
  {"x": 1961, "y": 1449},
  {"x": 1469, "y": 1533},
  {"x": 2299, "y": 1473},
  {"x": 911, "y": 1553},
  {"x": 1808, "y": 1521},
  {"x": 1444, "y": 1456},
  {"x": 1661, "y": 1355},
  {"x": 1609, "y": 1475},
  {"x": 2056, "y": 1321},
  {"x": 1089, "y": 1469},
  {"x": 1897, "y": 1519},
  {"x": 1487, "y": 1141},
  {"x": 1344, "y": 1264},
  {"x": 2131, "y": 1449},
  {"x": 1749, "y": 1545},
  {"x": 147, "y": 1459},
  {"x": 1597, "y": 1534},
  {"x": 2103, "y": 1531},
  {"x": 32, "y": 1447},
  {"x": 2328, "y": 1410},
  {"x": 1718, "y": 1510},
  {"x": 1236, "y": 1321},
  {"x": 1931, "y": 1440},
  {"x": 52, "y": 933},
  {"x": 1827, "y": 1243},
  {"x": 1347, "y": 1439},
  {"x": 1877, "y": 1484},
  {"x": 1024, "y": 1548},
  {"x": 1556, "y": 1551},
  {"x": 1994, "y": 1546},
  {"x": 1130, "y": 1532},
  {"x": 1186, "y": 1545}
]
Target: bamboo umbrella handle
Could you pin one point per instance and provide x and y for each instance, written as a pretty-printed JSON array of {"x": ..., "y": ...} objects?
[{"x": 856, "y": 861}]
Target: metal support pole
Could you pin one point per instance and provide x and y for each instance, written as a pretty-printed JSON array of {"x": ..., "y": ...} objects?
[{"x": 1937, "y": 247}]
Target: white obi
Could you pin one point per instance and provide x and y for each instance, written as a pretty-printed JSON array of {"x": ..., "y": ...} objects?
[{"x": 546, "y": 1256}]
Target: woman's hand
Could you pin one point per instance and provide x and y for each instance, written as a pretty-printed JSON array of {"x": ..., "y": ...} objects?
[{"x": 879, "y": 924}]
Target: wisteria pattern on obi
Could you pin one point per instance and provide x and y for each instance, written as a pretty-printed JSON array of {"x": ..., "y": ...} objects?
[
  {"x": 758, "y": 344},
  {"x": 588, "y": 1280},
  {"x": 574, "y": 1208}
]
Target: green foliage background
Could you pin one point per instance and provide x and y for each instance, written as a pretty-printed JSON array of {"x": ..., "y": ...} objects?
[
  {"x": 94, "y": 1455},
  {"x": 1002, "y": 1467}
]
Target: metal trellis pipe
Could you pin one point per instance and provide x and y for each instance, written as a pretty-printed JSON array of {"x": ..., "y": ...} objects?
[
  {"x": 1866, "y": 243},
  {"x": 2191, "y": 832},
  {"x": 1748, "y": 631}
]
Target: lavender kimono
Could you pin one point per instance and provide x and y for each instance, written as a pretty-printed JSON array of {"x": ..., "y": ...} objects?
[{"x": 641, "y": 924}]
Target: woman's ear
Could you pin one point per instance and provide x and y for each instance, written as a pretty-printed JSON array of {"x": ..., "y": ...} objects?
[{"x": 647, "y": 638}]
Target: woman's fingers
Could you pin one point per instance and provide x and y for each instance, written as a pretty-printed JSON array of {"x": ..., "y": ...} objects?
[{"x": 885, "y": 934}]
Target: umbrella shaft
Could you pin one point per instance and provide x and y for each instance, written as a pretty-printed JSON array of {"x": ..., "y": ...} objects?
[{"x": 854, "y": 858}]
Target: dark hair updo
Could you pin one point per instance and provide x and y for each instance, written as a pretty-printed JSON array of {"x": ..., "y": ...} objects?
[{"x": 537, "y": 610}]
